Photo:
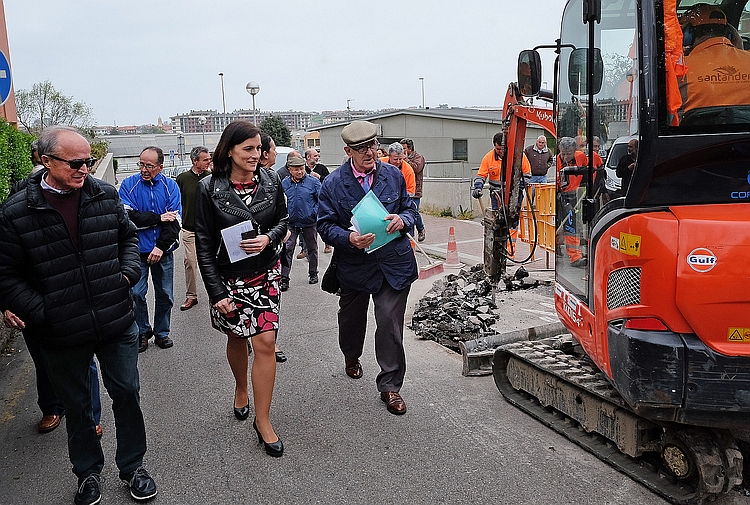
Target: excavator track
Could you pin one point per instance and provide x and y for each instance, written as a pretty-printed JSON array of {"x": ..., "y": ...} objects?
[{"x": 566, "y": 392}]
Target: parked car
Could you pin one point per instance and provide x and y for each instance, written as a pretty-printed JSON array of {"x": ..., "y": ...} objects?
[{"x": 618, "y": 150}]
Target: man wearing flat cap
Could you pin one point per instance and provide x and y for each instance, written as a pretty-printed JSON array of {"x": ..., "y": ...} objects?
[{"x": 385, "y": 274}]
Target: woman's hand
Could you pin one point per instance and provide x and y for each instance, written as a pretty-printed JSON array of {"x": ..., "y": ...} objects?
[
  {"x": 224, "y": 306},
  {"x": 255, "y": 245}
]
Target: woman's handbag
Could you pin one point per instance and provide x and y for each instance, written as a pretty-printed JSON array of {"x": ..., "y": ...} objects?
[{"x": 330, "y": 282}]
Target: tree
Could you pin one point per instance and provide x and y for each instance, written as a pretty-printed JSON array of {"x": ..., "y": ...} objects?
[
  {"x": 44, "y": 106},
  {"x": 616, "y": 70},
  {"x": 279, "y": 132},
  {"x": 15, "y": 157}
]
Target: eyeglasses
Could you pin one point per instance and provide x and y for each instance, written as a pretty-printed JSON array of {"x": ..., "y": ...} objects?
[
  {"x": 75, "y": 164},
  {"x": 147, "y": 166},
  {"x": 363, "y": 149}
]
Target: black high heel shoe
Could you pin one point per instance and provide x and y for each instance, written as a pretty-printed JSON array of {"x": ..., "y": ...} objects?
[
  {"x": 276, "y": 449},
  {"x": 242, "y": 413}
]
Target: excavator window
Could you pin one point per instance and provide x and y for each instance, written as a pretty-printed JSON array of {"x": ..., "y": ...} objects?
[{"x": 708, "y": 66}]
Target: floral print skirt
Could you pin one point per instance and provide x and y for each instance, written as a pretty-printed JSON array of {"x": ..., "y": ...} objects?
[{"x": 256, "y": 300}]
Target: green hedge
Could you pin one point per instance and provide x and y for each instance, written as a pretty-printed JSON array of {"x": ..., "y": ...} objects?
[{"x": 15, "y": 157}]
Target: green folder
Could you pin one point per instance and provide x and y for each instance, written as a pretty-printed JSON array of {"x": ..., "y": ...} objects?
[{"x": 368, "y": 217}]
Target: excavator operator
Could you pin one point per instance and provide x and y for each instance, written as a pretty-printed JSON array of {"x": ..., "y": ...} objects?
[{"x": 716, "y": 88}]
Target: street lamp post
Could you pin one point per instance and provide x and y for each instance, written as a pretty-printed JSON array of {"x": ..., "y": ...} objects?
[
  {"x": 253, "y": 88},
  {"x": 202, "y": 121},
  {"x": 181, "y": 146},
  {"x": 223, "y": 101},
  {"x": 421, "y": 79}
]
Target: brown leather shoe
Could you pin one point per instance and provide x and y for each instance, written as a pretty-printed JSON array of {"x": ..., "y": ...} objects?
[
  {"x": 302, "y": 255},
  {"x": 189, "y": 304},
  {"x": 49, "y": 423},
  {"x": 353, "y": 368},
  {"x": 327, "y": 249},
  {"x": 99, "y": 431},
  {"x": 393, "y": 402}
]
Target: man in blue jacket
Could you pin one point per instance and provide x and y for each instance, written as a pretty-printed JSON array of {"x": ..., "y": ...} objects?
[
  {"x": 302, "y": 201},
  {"x": 386, "y": 274},
  {"x": 153, "y": 203}
]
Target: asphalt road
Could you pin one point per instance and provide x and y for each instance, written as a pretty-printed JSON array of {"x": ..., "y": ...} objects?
[{"x": 459, "y": 442}]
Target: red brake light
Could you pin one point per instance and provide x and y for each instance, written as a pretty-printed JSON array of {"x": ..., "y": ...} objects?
[{"x": 646, "y": 324}]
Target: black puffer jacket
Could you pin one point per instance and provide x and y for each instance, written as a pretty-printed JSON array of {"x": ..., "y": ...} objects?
[
  {"x": 68, "y": 295},
  {"x": 217, "y": 207}
]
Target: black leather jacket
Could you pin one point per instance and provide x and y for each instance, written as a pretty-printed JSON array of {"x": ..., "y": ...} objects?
[{"x": 217, "y": 207}]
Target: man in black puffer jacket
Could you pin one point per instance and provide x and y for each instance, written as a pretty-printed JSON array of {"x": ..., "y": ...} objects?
[{"x": 68, "y": 255}]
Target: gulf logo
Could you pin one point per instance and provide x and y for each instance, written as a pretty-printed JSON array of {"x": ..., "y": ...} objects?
[{"x": 701, "y": 259}]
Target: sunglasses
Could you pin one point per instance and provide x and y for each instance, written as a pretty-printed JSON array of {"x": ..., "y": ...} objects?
[{"x": 75, "y": 164}]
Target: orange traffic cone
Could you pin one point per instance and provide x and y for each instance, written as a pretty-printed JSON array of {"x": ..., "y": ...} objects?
[{"x": 451, "y": 256}]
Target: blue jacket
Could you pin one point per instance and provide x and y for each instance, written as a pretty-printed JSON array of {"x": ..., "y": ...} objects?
[
  {"x": 145, "y": 202},
  {"x": 302, "y": 200},
  {"x": 358, "y": 270}
]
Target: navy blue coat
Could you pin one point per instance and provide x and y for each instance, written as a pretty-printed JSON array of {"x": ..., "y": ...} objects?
[
  {"x": 302, "y": 200},
  {"x": 357, "y": 270}
]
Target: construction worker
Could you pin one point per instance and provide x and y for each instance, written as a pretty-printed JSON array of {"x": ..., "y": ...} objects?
[
  {"x": 490, "y": 169},
  {"x": 709, "y": 90},
  {"x": 397, "y": 158},
  {"x": 567, "y": 188}
]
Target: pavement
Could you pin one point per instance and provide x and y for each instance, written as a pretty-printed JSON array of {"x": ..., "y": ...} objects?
[{"x": 459, "y": 442}]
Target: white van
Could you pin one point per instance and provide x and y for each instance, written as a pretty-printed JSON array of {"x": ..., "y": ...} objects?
[{"x": 618, "y": 150}]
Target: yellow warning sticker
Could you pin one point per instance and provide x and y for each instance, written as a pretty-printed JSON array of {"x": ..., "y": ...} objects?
[
  {"x": 630, "y": 244},
  {"x": 738, "y": 335}
]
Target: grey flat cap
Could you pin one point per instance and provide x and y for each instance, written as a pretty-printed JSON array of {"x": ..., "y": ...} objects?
[
  {"x": 359, "y": 132},
  {"x": 294, "y": 161}
]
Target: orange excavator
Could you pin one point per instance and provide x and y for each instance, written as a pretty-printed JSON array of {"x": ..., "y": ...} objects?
[{"x": 653, "y": 374}]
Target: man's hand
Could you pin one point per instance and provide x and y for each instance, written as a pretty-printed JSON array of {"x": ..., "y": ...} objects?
[
  {"x": 154, "y": 256},
  {"x": 13, "y": 321},
  {"x": 361, "y": 241},
  {"x": 396, "y": 223},
  {"x": 476, "y": 193},
  {"x": 315, "y": 174},
  {"x": 169, "y": 216}
]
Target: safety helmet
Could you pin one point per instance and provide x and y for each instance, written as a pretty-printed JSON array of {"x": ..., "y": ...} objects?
[{"x": 703, "y": 14}]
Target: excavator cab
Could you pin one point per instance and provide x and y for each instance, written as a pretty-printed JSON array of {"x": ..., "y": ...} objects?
[{"x": 651, "y": 280}]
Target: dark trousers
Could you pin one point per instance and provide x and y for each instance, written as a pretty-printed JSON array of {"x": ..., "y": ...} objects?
[
  {"x": 390, "y": 306},
  {"x": 68, "y": 369},
  {"x": 46, "y": 398},
  {"x": 310, "y": 233},
  {"x": 163, "y": 276}
]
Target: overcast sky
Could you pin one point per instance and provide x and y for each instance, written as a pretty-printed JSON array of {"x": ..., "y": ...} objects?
[{"x": 134, "y": 61}]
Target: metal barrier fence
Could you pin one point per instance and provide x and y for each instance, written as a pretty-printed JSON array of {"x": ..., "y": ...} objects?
[{"x": 543, "y": 208}]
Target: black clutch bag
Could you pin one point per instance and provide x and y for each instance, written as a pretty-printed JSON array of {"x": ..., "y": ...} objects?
[{"x": 330, "y": 283}]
